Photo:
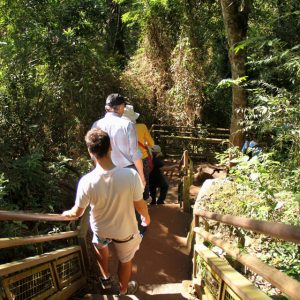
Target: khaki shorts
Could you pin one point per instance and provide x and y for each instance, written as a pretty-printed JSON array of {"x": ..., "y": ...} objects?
[{"x": 125, "y": 250}]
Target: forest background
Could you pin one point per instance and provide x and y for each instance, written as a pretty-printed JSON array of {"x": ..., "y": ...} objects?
[{"x": 182, "y": 62}]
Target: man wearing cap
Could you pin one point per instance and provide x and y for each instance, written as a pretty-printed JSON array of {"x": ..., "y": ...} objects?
[{"x": 125, "y": 151}]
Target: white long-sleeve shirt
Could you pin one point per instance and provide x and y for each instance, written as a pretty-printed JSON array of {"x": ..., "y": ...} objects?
[{"x": 123, "y": 139}]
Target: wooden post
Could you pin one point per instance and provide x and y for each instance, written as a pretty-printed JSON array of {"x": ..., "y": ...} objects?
[
  {"x": 186, "y": 194},
  {"x": 191, "y": 171},
  {"x": 185, "y": 161},
  {"x": 83, "y": 229},
  {"x": 186, "y": 182},
  {"x": 199, "y": 239},
  {"x": 191, "y": 237},
  {"x": 241, "y": 245}
]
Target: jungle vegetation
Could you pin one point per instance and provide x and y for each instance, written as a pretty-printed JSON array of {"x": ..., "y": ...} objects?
[{"x": 226, "y": 63}]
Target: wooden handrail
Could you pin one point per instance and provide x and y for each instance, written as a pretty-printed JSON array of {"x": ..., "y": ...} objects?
[
  {"x": 188, "y": 127},
  {"x": 204, "y": 139},
  {"x": 277, "y": 230},
  {"x": 21, "y": 241},
  {"x": 286, "y": 284},
  {"x": 24, "y": 216},
  {"x": 236, "y": 281}
]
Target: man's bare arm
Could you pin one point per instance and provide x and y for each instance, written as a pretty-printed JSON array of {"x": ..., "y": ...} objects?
[
  {"x": 142, "y": 209},
  {"x": 75, "y": 211}
]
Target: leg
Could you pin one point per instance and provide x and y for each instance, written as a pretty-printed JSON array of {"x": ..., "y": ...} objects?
[
  {"x": 152, "y": 188},
  {"x": 102, "y": 255},
  {"x": 125, "y": 253},
  {"x": 146, "y": 175},
  {"x": 164, "y": 186},
  {"x": 124, "y": 273}
]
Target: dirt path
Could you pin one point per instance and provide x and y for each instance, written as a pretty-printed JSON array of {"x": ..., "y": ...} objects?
[{"x": 163, "y": 256}]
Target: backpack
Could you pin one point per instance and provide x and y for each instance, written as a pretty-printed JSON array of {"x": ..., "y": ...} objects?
[{"x": 149, "y": 156}]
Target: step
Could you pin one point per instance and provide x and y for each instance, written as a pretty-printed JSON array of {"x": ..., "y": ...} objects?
[{"x": 168, "y": 291}]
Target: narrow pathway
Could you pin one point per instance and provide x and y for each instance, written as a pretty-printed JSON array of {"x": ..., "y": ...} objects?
[
  {"x": 163, "y": 262},
  {"x": 162, "y": 266}
]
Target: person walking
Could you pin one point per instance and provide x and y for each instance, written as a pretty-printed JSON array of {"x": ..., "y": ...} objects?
[
  {"x": 145, "y": 141},
  {"x": 157, "y": 179},
  {"x": 113, "y": 194},
  {"x": 124, "y": 143}
]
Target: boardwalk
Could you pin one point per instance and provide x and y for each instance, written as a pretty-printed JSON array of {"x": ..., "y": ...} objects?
[{"x": 162, "y": 266}]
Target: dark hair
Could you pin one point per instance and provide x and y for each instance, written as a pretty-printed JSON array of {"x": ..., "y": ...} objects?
[
  {"x": 113, "y": 100},
  {"x": 98, "y": 142}
]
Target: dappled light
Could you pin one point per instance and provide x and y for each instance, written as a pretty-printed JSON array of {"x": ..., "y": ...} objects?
[{"x": 201, "y": 98}]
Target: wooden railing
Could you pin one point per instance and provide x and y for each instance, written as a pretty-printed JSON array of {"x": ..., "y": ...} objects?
[
  {"x": 217, "y": 279},
  {"x": 200, "y": 142},
  {"x": 56, "y": 274}
]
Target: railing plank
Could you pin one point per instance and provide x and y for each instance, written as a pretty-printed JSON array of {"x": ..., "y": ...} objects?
[
  {"x": 20, "y": 241},
  {"x": 277, "y": 230},
  {"x": 68, "y": 291},
  {"x": 25, "y": 216},
  {"x": 286, "y": 284},
  {"x": 190, "y": 138},
  {"x": 238, "y": 283},
  {"x": 29, "y": 262}
]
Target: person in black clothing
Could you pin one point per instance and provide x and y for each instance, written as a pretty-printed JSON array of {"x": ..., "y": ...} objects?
[{"x": 156, "y": 178}]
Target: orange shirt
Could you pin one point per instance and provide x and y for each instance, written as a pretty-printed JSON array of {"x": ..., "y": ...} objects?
[{"x": 144, "y": 138}]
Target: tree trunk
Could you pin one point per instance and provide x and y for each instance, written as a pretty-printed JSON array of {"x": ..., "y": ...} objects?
[{"x": 235, "y": 16}]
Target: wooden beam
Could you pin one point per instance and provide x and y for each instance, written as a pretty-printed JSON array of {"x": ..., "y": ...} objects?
[
  {"x": 20, "y": 241},
  {"x": 277, "y": 230},
  {"x": 29, "y": 262},
  {"x": 69, "y": 290},
  {"x": 26, "y": 216},
  {"x": 286, "y": 284},
  {"x": 238, "y": 283},
  {"x": 204, "y": 139}
]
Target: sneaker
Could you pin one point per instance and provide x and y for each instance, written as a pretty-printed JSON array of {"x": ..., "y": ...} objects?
[
  {"x": 105, "y": 283},
  {"x": 131, "y": 289},
  {"x": 160, "y": 202}
]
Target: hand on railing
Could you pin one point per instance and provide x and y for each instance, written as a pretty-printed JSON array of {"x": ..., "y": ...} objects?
[
  {"x": 75, "y": 211},
  {"x": 26, "y": 216}
]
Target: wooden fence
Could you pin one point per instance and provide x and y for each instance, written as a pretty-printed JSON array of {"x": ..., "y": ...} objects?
[
  {"x": 56, "y": 274},
  {"x": 201, "y": 142},
  {"x": 215, "y": 278}
]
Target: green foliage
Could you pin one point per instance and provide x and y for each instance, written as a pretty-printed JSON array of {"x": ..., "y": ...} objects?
[
  {"x": 3, "y": 183},
  {"x": 266, "y": 189},
  {"x": 224, "y": 83},
  {"x": 56, "y": 69},
  {"x": 181, "y": 59},
  {"x": 284, "y": 256}
]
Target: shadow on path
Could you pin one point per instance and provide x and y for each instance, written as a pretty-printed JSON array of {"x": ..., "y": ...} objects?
[{"x": 163, "y": 256}]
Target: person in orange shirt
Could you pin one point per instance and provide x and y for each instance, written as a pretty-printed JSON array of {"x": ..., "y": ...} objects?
[{"x": 145, "y": 141}]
